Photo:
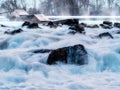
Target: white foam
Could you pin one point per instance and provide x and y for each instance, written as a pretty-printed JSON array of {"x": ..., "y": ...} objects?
[{"x": 21, "y": 69}]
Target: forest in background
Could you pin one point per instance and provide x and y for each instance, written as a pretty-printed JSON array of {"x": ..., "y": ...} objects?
[{"x": 64, "y": 7}]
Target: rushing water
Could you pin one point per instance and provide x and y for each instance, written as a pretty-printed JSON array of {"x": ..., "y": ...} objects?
[{"x": 20, "y": 69}]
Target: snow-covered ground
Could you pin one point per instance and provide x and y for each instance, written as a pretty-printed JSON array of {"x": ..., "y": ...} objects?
[{"x": 20, "y": 69}]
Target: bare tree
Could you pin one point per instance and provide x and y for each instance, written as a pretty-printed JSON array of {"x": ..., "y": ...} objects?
[
  {"x": 85, "y": 4},
  {"x": 11, "y": 5},
  {"x": 54, "y": 7},
  {"x": 23, "y": 4},
  {"x": 62, "y": 7},
  {"x": 110, "y": 3}
]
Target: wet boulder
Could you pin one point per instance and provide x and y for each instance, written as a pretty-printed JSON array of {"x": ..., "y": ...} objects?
[
  {"x": 104, "y": 26},
  {"x": 52, "y": 24},
  {"x": 3, "y": 25},
  {"x": 78, "y": 28},
  {"x": 26, "y": 23},
  {"x": 69, "y": 55},
  {"x": 13, "y": 32},
  {"x": 30, "y": 25},
  {"x": 107, "y": 23},
  {"x": 105, "y": 34},
  {"x": 93, "y": 26},
  {"x": 33, "y": 25},
  {"x": 117, "y": 25},
  {"x": 70, "y": 22},
  {"x": 72, "y": 32},
  {"x": 83, "y": 24}
]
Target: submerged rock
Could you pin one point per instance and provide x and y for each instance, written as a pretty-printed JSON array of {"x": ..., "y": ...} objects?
[
  {"x": 106, "y": 34},
  {"x": 69, "y": 55},
  {"x": 14, "y": 32}
]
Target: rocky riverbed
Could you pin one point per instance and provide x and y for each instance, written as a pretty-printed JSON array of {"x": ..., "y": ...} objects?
[{"x": 78, "y": 56}]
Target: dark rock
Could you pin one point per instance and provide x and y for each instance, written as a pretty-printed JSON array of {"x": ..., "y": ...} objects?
[
  {"x": 72, "y": 32},
  {"x": 26, "y": 23},
  {"x": 89, "y": 26},
  {"x": 52, "y": 24},
  {"x": 3, "y": 26},
  {"x": 57, "y": 55},
  {"x": 117, "y": 25},
  {"x": 14, "y": 32},
  {"x": 30, "y": 25},
  {"x": 106, "y": 34},
  {"x": 106, "y": 26},
  {"x": 42, "y": 51},
  {"x": 70, "y": 22},
  {"x": 95, "y": 26},
  {"x": 33, "y": 25},
  {"x": 83, "y": 24},
  {"x": 6, "y": 32},
  {"x": 92, "y": 26},
  {"x": 77, "y": 28},
  {"x": 107, "y": 23},
  {"x": 69, "y": 55}
]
